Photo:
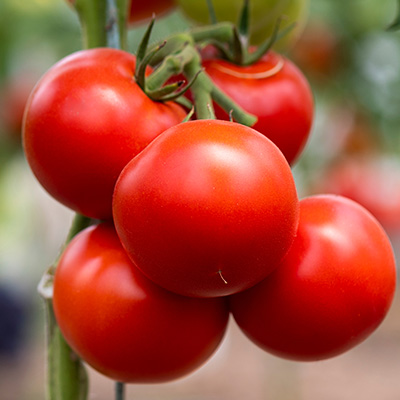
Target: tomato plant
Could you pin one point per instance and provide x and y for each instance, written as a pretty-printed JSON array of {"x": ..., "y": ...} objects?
[
  {"x": 208, "y": 209},
  {"x": 121, "y": 323},
  {"x": 263, "y": 15},
  {"x": 84, "y": 121},
  {"x": 332, "y": 289},
  {"x": 274, "y": 90}
]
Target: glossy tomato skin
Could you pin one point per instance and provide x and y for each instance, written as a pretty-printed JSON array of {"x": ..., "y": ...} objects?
[
  {"x": 274, "y": 90},
  {"x": 331, "y": 291},
  {"x": 264, "y": 15},
  {"x": 122, "y": 324},
  {"x": 208, "y": 209},
  {"x": 141, "y": 11},
  {"x": 85, "y": 119}
]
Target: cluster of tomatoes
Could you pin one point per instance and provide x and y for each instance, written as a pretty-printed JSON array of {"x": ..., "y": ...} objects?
[{"x": 199, "y": 220}]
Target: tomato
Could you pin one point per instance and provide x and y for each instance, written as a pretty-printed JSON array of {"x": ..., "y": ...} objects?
[
  {"x": 122, "y": 324},
  {"x": 332, "y": 289},
  {"x": 84, "y": 121},
  {"x": 318, "y": 50},
  {"x": 371, "y": 180},
  {"x": 274, "y": 90},
  {"x": 208, "y": 209},
  {"x": 143, "y": 10},
  {"x": 13, "y": 97},
  {"x": 263, "y": 16}
]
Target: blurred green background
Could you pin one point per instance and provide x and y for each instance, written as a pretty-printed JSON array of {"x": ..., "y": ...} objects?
[{"x": 353, "y": 65}]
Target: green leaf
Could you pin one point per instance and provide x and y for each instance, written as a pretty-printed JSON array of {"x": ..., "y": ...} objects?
[{"x": 211, "y": 12}]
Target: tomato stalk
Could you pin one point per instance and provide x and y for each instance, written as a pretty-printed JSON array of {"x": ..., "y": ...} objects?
[
  {"x": 66, "y": 374},
  {"x": 119, "y": 391},
  {"x": 179, "y": 54},
  {"x": 103, "y": 22}
]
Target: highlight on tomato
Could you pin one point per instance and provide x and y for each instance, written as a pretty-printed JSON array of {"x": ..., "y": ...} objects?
[
  {"x": 122, "y": 324},
  {"x": 85, "y": 119},
  {"x": 276, "y": 92},
  {"x": 208, "y": 209},
  {"x": 332, "y": 289}
]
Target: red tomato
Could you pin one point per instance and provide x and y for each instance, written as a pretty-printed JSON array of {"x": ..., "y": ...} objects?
[
  {"x": 208, "y": 209},
  {"x": 274, "y": 90},
  {"x": 143, "y": 10},
  {"x": 122, "y": 324},
  {"x": 332, "y": 289},
  {"x": 13, "y": 97},
  {"x": 318, "y": 49},
  {"x": 84, "y": 121},
  {"x": 371, "y": 180}
]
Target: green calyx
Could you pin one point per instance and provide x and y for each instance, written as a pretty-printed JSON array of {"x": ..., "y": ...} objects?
[{"x": 178, "y": 56}]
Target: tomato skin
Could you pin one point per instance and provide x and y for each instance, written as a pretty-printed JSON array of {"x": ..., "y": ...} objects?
[
  {"x": 332, "y": 289},
  {"x": 263, "y": 16},
  {"x": 141, "y": 11},
  {"x": 208, "y": 209},
  {"x": 85, "y": 119},
  {"x": 283, "y": 102},
  {"x": 122, "y": 324}
]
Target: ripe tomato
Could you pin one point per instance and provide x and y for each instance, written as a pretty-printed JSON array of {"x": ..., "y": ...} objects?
[
  {"x": 318, "y": 50},
  {"x": 143, "y": 10},
  {"x": 371, "y": 180},
  {"x": 274, "y": 90},
  {"x": 122, "y": 324},
  {"x": 332, "y": 289},
  {"x": 208, "y": 209},
  {"x": 263, "y": 14},
  {"x": 84, "y": 121}
]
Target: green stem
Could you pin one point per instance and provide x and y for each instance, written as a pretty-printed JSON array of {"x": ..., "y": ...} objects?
[
  {"x": 103, "y": 22},
  {"x": 178, "y": 53},
  {"x": 231, "y": 107},
  {"x": 66, "y": 374},
  {"x": 172, "y": 45},
  {"x": 119, "y": 391},
  {"x": 201, "y": 88},
  {"x": 221, "y": 32},
  {"x": 170, "y": 66}
]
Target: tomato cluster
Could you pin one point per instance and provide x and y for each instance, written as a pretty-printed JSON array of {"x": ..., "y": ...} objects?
[{"x": 200, "y": 219}]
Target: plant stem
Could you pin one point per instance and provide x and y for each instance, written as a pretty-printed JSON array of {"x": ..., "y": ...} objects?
[
  {"x": 103, "y": 22},
  {"x": 171, "y": 65},
  {"x": 119, "y": 391},
  {"x": 221, "y": 32},
  {"x": 66, "y": 374}
]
